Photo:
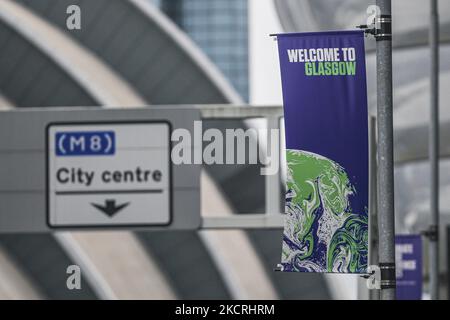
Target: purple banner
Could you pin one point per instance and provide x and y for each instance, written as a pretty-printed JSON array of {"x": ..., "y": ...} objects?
[
  {"x": 326, "y": 121},
  {"x": 408, "y": 260}
]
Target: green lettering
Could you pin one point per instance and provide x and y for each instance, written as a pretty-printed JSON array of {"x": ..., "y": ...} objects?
[
  {"x": 342, "y": 69},
  {"x": 351, "y": 68},
  {"x": 328, "y": 68},
  {"x": 320, "y": 69},
  {"x": 335, "y": 68},
  {"x": 308, "y": 69}
]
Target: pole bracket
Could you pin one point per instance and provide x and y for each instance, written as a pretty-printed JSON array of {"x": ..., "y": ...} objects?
[
  {"x": 278, "y": 268},
  {"x": 368, "y": 275},
  {"x": 387, "y": 273},
  {"x": 381, "y": 29},
  {"x": 432, "y": 233},
  {"x": 367, "y": 30}
]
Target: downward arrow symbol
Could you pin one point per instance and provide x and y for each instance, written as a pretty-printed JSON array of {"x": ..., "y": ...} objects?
[{"x": 110, "y": 208}]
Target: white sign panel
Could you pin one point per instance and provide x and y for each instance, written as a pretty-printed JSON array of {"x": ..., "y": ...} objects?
[{"x": 108, "y": 174}]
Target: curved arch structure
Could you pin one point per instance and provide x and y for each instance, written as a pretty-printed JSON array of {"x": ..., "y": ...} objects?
[
  {"x": 80, "y": 69},
  {"x": 178, "y": 75},
  {"x": 144, "y": 47},
  {"x": 15, "y": 285}
]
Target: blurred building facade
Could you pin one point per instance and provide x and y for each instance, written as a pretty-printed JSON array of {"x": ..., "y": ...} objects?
[{"x": 220, "y": 29}]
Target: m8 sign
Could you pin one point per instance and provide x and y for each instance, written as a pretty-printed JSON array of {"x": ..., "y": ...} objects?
[
  {"x": 108, "y": 174},
  {"x": 85, "y": 143}
]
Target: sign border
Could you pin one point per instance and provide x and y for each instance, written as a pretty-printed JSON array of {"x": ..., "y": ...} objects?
[{"x": 104, "y": 226}]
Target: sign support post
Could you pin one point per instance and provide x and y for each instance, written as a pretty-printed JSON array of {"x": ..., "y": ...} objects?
[
  {"x": 434, "y": 152},
  {"x": 386, "y": 215}
]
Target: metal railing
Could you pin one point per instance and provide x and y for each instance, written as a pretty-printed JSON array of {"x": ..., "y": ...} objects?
[{"x": 272, "y": 217}]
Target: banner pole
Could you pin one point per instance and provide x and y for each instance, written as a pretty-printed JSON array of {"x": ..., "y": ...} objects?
[
  {"x": 385, "y": 151},
  {"x": 434, "y": 152},
  {"x": 373, "y": 198}
]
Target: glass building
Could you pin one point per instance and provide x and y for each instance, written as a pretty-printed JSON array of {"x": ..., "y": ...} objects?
[{"x": 220, "y": 29}]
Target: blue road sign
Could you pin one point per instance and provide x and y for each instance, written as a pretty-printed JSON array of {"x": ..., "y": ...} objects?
[{"x": 88, "y": 143}]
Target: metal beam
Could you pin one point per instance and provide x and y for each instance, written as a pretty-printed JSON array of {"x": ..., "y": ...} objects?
[
  {"x": 244, "y": 221},
  {"x": 221, "y": 111}
]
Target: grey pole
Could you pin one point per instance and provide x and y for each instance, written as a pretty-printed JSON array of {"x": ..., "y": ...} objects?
[
  {"x": 386, "y": 215},
  {"x": 373, "y": 224},
  {"x": 434, "y": 152}
]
